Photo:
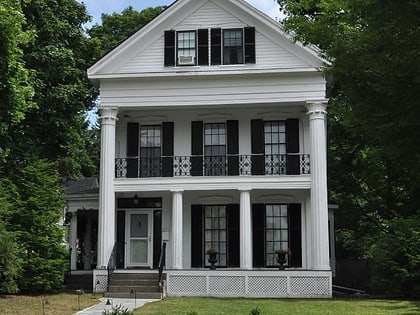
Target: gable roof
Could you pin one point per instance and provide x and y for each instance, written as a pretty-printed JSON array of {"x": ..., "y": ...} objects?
[{"x": 109, "y": 66}]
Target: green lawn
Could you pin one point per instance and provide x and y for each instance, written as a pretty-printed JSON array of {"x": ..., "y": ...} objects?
[
  {"x": 58, "y": 304},
  {"x": 213, "y": 306}
]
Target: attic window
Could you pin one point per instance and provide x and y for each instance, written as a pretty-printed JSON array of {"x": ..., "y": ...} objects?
[
  {"x": 194, "y": 47},
  {"x": 233, "y": 47},
  {"x": 186, "y": 48}
]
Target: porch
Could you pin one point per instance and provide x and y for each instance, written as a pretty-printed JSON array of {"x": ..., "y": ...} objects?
[{"x": 256, "y": 283}]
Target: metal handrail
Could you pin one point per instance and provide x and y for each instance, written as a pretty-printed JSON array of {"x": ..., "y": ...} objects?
[
  {"x": 162, "y": 261},
  {"x": 112, "y": 263}
]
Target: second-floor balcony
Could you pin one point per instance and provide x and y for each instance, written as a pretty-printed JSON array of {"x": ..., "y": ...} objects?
[{"x": 226, "y": 165}]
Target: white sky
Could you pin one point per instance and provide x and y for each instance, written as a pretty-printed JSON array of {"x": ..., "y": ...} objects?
[{"x": 97, "y": 7}]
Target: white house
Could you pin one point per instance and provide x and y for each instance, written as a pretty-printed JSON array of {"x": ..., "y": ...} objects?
[{"x": 213, "y": 135}]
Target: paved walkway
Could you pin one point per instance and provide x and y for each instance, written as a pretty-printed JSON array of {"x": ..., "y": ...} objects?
[{"x": 97, "y": 309}]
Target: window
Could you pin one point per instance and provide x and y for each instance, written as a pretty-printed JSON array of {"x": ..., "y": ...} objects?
[
  {"x": 194, "y": 47},
  {"x": 215, "y": 149},
  {"x": 275, "y": 147},
  {"x": 276, "y": 232},
  {"x": 233, "y": 47},
  {"x": 215, "y": 232},
  {"x": 186, "y": 48},
  {"x": 150, "y": 151}
]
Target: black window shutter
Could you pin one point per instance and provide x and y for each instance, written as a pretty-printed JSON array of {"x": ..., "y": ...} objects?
[
  {"x": 258, "y": 233},
  {"x": 233, "y": 235},
  {"x": 197, "y": 236},
  {"x": 132, "y": 149},
  {"x": 167, "y": 149},
  {"x": 233, "y": 147},
  {"x": 295, "y": 233},
  {"x": 216, "y": 46},
  {"x": 197, "y": 148},
  {"x": 157, "y": 236},
  {"x": 169, "y": 48},
  {"x": 257, "y": 147},
  {"x": 232, "y": 137},
  {"x": 203, "y": 47},
  {"x": 120, "y": 238},
  {"x": 292, "y": 146},
  {"x": 249, "y": 44}
]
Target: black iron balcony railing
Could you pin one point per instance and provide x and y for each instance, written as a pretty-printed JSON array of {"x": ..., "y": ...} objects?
[{"x": 229, "y": 165}]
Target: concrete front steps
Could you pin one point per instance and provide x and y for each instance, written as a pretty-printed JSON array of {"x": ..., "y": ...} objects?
[{"x": 134, "y": 285}]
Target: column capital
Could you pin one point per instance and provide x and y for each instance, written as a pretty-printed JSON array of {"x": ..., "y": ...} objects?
[
  {"x": 108, "y": 114},
  {"x": 245, "y": 189},
  {"x": 316, "y": 109}
]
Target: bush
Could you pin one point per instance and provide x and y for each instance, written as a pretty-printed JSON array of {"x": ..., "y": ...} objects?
[
  {"x": 396, "y": 259},
  {"x": 117, "y": 310}
]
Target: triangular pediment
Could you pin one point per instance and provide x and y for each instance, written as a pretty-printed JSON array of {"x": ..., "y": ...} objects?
[{"x": 143, "y": 53}]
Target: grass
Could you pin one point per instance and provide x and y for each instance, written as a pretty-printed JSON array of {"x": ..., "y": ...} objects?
[
  {"x": 58, "y": 304},
  {"x": 214, "y": 306},
  {"x": 67, "y": 304}
]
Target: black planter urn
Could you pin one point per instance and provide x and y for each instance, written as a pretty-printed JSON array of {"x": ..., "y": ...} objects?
[
  {"x": 212, "y": 260},
  {"x": 281, "y": 260}
]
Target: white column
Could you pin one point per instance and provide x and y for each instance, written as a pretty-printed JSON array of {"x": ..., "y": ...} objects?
[
  {"x": 177, "y": 229},
  {"x": 319, "y": 197},
  {"x": 106, "y": 217},
  {"x": 73, "y": 240},
  {"x": 245, "y": 230}
]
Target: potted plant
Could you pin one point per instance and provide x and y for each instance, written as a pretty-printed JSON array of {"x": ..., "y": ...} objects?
[
  {"x": 212, "y": 252},
  {"x": 281, "y": 257}
]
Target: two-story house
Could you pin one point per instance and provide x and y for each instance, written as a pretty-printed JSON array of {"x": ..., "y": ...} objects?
[{"x": 213, "y": 135}]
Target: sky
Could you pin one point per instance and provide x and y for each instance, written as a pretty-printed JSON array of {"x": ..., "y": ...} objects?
[{"x": 97, "y": 7}]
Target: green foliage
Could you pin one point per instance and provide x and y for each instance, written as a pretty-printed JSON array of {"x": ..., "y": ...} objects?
[
  {"x": 396, "y": 257},
  {"x": 374, "y": 161},
  {"x": 255, "y": 311},
  {"x": 34, "y": 220},
  {"x": 59, "y": 55},
  {"x": 117, "y": 27},
  {"x": 15, "y": 80},
  {"x": 117, "y": 310}
]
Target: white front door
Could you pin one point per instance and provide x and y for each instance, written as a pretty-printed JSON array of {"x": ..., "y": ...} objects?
[{"x": 139, "y": 231}]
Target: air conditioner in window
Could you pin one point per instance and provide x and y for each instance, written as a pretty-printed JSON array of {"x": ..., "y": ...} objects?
[{"x": 185, "y": 60}]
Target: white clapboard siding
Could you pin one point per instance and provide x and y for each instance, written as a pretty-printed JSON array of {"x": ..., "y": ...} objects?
[
  {"x": 209, "y": 15},
  {"x": 269, "y": 54}
]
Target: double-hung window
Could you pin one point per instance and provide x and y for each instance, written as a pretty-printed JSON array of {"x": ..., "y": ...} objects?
[
  {"x": 150, "y": 151},
  {"x": 215, "y": 231},
  {"x": 276, "y": 231},
  {"x": 186, "y": 48},
  {"x": 275, "y": 147},
  {"x": 233, "y": 47},
  {"x": 215, "y": 149}
]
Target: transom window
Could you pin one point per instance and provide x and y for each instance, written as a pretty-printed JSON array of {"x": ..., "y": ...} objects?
[
  {"x": 150, "y": 151},
  {"x": 186, "y": 47},
  {"x": 276, "y": 232},
  {"x": 233, "y": 47},
  {"x": 215, "y": 234},
  {"x": 215, "y": 149}
]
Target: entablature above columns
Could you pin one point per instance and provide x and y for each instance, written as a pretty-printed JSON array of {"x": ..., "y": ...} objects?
[{"x": 302, "y": 182}]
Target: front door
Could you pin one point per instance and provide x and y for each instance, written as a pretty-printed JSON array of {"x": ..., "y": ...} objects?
[{"x": 139, "y": 231}]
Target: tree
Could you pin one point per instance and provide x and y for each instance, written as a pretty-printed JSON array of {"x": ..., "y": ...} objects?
[
  {"x": 16, "y": 91},
  {"x": 59, "y": 56},
  {"x": 374, "y": 161},
  {"x": 34, "y": 220},
  {"x": 117, "y": 27},
  {"x": 10, "y": 261}
]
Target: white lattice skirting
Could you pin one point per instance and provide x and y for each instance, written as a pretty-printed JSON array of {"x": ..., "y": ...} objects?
[{"x": 240, "y": 283}]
